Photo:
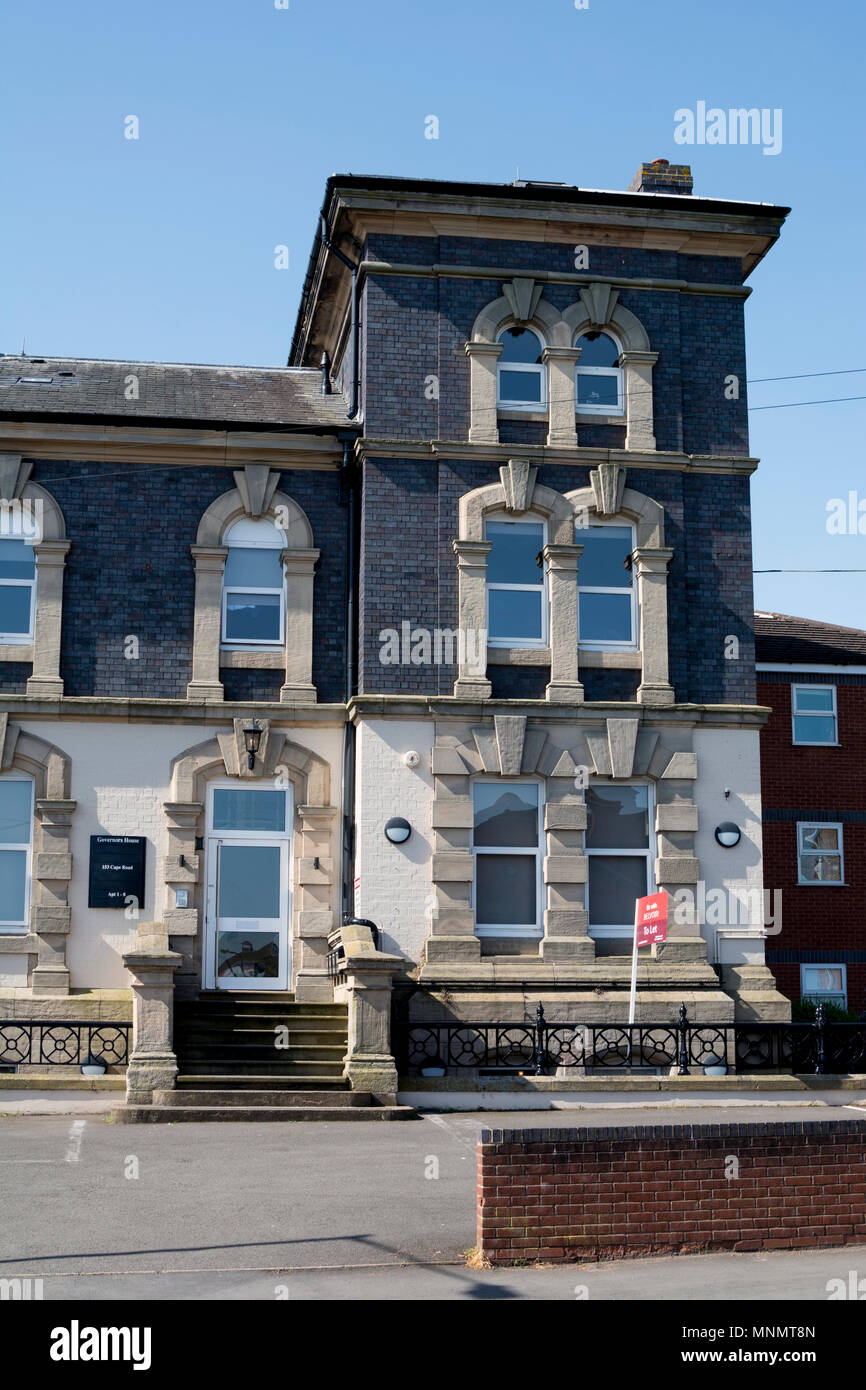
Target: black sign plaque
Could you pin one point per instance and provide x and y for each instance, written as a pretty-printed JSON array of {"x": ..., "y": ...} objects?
[{"x": 116, "y": 870}]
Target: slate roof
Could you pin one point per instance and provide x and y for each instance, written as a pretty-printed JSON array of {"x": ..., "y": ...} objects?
[
  {"x": 75, "y": 388},
  {"x": 782, "y": 638}
]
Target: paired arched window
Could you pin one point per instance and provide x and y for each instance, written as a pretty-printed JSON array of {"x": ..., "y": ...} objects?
[
  {"x": 521, "y": 375},
  {"x": 18, "y": 536},
  {"x": 607, "y": 594},
  {"x": 254, "y": 591},
  {"x": 516, "y": 581},
  {"x": 598, "y": 376}
]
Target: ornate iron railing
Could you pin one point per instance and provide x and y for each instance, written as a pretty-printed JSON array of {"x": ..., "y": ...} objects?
[
  {"x": 29, "y": 1042},
  {"x": 541, "y": 1047}
]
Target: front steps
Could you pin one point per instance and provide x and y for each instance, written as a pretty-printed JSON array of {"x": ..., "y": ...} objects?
[{"x": 231, "y": 1067}]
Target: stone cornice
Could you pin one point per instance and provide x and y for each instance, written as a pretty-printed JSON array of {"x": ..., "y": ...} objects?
[
  {"x": 445, "y": 269},
  {"x": 450, "y": 707},
  {"x": 463, "y": 451},
  {"x": 214, "y": 713},
  {"x": 129, "y": 443}
]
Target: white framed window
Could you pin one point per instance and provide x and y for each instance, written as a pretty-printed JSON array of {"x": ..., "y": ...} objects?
[
  {"x": 517, "y": 605},
  {"x": 254, "y": 590},
  {"x": 17, "y": 590},
  {"x": 827, "y": 982},
  {"x": 16, "y": 839},
  {"x": 507, "y": 848},
  {"x": 619, "y": 852},
  {"x": 819, "y": 852},
  {"x": 521, "y": 377},
  {"x": 813, "y": 714},
  {"x": 607, "y": 592},
  {"x": 598, "y": 382}
]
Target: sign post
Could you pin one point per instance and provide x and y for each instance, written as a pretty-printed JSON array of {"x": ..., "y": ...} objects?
[{"x": 650, "y": 924}]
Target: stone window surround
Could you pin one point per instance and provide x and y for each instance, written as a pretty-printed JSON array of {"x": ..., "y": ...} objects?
[
  {"x": 517, "y": 494},
  {"x": 511, "y": 746},
  {"x": 254, "y": 496},
  {"x": 43, "y": 653},
  {"x": 522, "y": 305},
  {"x": 315, "y": 846},
  {"x": 46, "y": 937}
]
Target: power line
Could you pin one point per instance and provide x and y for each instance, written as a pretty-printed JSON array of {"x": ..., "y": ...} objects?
[
  {"x": 801, "y": 376},
  {"x": 789, "y": 405},
  {"x": 808, "y": 571}
]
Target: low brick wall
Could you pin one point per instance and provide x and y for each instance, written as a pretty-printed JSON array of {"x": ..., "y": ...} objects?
[{"x": 590, "y": 1194}]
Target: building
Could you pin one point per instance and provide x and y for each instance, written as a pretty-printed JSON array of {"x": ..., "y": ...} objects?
[
  {"x": 478, "y": 559},
  {"x": 813, "y": 754}
]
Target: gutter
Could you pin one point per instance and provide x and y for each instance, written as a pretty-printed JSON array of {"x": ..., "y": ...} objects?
[{"x": 350, "y": 483}]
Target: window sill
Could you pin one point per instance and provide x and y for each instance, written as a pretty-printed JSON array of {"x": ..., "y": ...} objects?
[
  {"x": 16, "y": 651},
  {"x": 522, "y": 933},
  {"x": 797, "y": 743},
  {"x": 514, "y": 413},
  {"x": 610, "y": 658},
  {"x": 518, "y": 656},
  {"x": 590, "y": 418},
  {"x": 822, "y": 883},
  {"x": 256, "y": 658}
]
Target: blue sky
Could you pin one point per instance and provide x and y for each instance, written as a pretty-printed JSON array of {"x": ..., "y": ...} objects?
[{"x": 163, "y": 248}]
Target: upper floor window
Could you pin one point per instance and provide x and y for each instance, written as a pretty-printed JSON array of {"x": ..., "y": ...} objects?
[
  {"x": 17, "y": 590},
  {"x": 507, "y": 847},
  {"x": 16, "y": 833},
  {"x": 819, "y": 852},
  {"x": 516, "y": 583},
  {"x": 619, "y": 853},
  {"x": 607, "y": 596},
  {"x": 521, "y": 375},
  {"x": 813, "y": 714},
  {"x": 598, "y": 378},
  {"x": 254, "y": 599}
]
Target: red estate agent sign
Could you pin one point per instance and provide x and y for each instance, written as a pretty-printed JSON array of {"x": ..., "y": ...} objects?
[{"x": 651, "y": 919}]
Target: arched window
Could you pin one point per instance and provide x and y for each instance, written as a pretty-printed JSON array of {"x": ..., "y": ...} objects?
[
  {"x": 598, "y": 379},
  {"x": 254, "y": 603},
  {"x": 607, "y": 594},
  {"x": 18, "y": 535},
  {"x": 16, "y": 834},
  {"x": 521, "y": 376},
  {"x": 516, "y": 581}
]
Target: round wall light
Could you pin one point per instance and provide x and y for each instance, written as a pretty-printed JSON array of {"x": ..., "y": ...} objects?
[
  {"x": 397, "y": 830},
  {"x": 728, "y": 834}
]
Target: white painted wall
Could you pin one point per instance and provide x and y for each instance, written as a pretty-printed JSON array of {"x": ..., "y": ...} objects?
[
  {"x": 120, "y": 779},
  {"x": 395, "y": 890},
  {"x": 730, "y": 758}
]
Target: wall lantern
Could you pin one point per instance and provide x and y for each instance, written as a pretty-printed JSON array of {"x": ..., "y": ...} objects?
[
  {"x": 728, "y": 834},
  {"x": 397, "y": 830},
  {"x": 252, "y": 739}
]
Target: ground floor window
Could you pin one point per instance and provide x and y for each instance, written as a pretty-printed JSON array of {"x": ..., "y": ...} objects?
[
  {"x": 506, "y": 843},
  {"x": 827, "y": 982},
  {"x": 619, "y": 856},
  {"x": 16, "y": 833}
]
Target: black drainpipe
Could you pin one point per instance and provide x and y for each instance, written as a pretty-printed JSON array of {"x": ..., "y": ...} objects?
[
  {"x": 353, "y": 338},
  {"x": 350, "y": 484}
]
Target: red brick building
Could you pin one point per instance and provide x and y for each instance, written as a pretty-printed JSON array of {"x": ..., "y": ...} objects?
[{"x": 813, "y": 775}]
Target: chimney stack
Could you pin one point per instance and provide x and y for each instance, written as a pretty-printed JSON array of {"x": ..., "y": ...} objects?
[{"x": 662, "y": 177}]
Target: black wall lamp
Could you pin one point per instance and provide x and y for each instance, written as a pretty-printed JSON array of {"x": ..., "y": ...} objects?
[
  {"x": 728, "y": 834},
  {"x": 252, "y": 739},
  {"x": 397, "y": 830}
]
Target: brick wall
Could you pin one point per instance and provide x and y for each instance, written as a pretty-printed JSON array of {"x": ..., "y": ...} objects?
[
  {"x": 821, "y": 923},
  {"x": 129, "y": 571},
  {"x": 409, "y": 573},
  {"x": 590, "y": 1194}
]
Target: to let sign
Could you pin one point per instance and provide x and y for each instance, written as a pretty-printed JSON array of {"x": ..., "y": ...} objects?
[
  {"x": 651, "y": 919},
  {"x": 116, "y": 870}
]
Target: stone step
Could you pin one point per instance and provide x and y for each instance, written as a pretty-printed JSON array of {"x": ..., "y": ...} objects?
[
  {"x": 252, "y": 1052},
  {"x": 255, "y": 1081},
  {"x": 263, "y": 1037},
  {"x": 230, "y": 1066},
  {"x": 179, "y": 1114},
  {"x": 217, "y": 1096}
]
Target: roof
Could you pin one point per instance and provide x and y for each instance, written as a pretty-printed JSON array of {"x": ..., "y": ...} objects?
[
  {"x": 183, "y": 393},
  {"x": 785, "y": 639}
]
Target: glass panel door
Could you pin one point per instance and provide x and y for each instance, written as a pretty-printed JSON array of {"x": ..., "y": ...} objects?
[{"x": 247, "y": 940}]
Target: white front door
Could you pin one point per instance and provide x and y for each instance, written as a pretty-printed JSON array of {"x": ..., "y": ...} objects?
[{"x": 247, "y": 940}]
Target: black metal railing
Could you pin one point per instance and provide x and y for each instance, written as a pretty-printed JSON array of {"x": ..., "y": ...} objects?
[
  {"x": 34, "y": 1042},
  {"x": 541, "y": 1047}
]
